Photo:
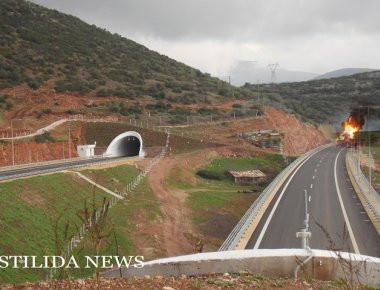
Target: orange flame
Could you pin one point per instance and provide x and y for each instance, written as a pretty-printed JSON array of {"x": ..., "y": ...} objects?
[{"x": 350, "y": 127}]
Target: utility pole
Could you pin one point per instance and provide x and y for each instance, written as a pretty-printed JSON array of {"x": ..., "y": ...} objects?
[
  {"x": 13, "y": 145},
  {"x": 358, "y": 169},
  {"x": 258, "y": 91},
  {"x": 69, "y": 140},
  {"x": 369, "y": 153}
]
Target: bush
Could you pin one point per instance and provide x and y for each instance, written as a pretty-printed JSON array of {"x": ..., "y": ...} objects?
[
  {"x": 5, "y": 103},
  {"x": 211, "y": 174},
  {"x": 236, "y": 106},
  {"x": 177, "y": 119},
  {"x": 208, "y": 111},
  {"x": 45, "y": 137}
]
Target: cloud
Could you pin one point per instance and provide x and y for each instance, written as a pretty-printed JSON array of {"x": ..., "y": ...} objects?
[
  {"x": 221, "y": 19},
  {"x": 314, "y": 35}
]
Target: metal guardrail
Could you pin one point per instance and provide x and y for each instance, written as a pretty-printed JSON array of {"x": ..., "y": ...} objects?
[
  {"x": 68, "y": 166},
  {"x": 238, "y": 231},
  {"x": 47, "y": 162},
  {"x": 368, "y": 192}
]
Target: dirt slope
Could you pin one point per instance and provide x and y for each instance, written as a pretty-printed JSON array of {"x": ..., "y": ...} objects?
[{"x": 298, "y": 137}]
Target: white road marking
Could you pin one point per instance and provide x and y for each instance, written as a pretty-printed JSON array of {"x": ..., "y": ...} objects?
[
  {"x": 315, "y": 170},
  {"x": 350, "y": 232},
  {"x": 309, "y": 198},
  {"x": 311, "y": 185},
  {"x": 313, "y": 176},
  {"x": 264, "y": 229}
]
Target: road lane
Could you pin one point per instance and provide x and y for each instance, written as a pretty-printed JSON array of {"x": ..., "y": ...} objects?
[
  {"x": 327, "y": 222},
  {"x": 29, "y": 171}
]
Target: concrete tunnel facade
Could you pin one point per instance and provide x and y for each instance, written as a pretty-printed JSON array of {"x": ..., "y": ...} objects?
[{"x": 126, "y": 144}]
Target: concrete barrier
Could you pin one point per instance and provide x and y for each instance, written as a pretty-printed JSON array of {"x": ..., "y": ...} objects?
[
  {"x": 324, "y": 265},
  {"x": 367, "y": 195}
]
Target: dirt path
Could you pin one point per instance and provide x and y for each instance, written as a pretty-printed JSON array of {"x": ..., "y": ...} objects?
[
  {"x": 180, "y": 237},
  {"x": 172, "y": 201}
]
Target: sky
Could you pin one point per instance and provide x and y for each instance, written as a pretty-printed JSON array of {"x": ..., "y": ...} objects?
[{"x": 213, "y": 35}]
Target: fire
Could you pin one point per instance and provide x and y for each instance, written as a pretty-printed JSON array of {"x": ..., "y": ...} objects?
[{"x": 350, "y": 127}]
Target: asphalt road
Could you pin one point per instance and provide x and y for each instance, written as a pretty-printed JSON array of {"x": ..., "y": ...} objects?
[
  {"x": 337, "y": 219},
  {"x": 28, "y": 171}
]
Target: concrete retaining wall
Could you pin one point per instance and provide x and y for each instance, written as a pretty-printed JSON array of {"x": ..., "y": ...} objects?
[{"x": 324, "y": 265}]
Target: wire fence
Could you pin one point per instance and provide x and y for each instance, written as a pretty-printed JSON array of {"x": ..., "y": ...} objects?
[{"x": 77, "y": 238}]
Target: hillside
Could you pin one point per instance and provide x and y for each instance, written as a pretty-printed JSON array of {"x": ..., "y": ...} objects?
[
  {"x": 39, "y": 45},
  {"x": 343, "y": 72},
  {"x": 326, "y": 100}
]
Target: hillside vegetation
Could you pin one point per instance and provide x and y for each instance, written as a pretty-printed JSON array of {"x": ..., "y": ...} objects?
[
  {"x": 324, "y": 101},
  {"x": 38, "y": 44},
  {"x": 64, "y": 56}
]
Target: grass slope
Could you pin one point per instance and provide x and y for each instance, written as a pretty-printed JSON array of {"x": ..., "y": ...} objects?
[
  {"x": 217, "y": 205},
  {"x": 29, "y": 209}
]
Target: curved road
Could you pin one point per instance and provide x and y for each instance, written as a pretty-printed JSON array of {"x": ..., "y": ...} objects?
[
  {"x": 40, "y": 169},
  {"x": 332, "y": 202}
]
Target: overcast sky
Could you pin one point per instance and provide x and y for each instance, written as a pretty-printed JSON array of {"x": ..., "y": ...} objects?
[{"x": 308, "y": 35}]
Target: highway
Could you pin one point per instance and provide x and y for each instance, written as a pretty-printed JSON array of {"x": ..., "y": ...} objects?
[
  {"x": 41, "y": 169},
  {"x": 332, "y": 203}
]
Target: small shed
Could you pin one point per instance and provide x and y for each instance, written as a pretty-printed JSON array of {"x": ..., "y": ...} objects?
[
  {"x": 86, "y": 150},
  {"x": 248, "y": 176}
]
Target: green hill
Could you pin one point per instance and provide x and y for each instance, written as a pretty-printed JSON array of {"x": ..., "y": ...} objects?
[
  {"x": 43, "y": 47},
  {"x": 326, "y": 100},
  {"x": 38, "y": 44}
]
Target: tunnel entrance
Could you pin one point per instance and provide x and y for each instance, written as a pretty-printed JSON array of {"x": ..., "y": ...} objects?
[{"x": 126, "y": 144}]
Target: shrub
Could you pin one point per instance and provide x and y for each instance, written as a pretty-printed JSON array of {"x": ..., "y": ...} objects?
[
  {"x": 208, "y": 111},
  {"x": 236, "y": 106},
  {"x": 5, "y": 103},
  {"x": 177, "y": 119},
  {"x": 44, "y": 137},
  {"x": 211, "y": 174}
]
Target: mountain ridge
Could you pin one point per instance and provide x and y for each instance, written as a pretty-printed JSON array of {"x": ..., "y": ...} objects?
[{"x": 343, "y": 72}]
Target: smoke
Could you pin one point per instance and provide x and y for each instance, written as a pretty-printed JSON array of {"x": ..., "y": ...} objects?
[
  {"x": 356, "y": 119},
  {"x": 366, "y": 118}
]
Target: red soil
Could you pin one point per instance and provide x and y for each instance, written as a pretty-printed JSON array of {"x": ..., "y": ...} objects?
[{"x": 27, "y": 152}]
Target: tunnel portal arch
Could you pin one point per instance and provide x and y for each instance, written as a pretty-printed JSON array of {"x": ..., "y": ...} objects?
[{"x": 126, "y": 144}]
